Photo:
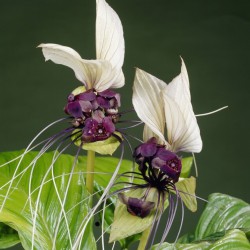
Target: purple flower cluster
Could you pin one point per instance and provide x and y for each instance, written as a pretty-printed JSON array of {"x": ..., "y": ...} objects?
[
  {"x": 156, "y": 157},
  {"x": 95, "y": 113},
  {"x": 160, "y": 169}
]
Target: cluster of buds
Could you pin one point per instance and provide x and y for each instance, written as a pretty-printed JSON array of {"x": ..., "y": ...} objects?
[{"x": 95, "y": 113}]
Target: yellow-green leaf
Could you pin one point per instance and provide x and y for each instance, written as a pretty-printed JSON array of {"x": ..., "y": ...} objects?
[
  {"x": 186, "y": 188},
  {"x": 125, "y": 224}
]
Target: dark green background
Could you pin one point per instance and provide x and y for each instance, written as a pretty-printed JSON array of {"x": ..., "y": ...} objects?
[{"x": 213, "y": 37}]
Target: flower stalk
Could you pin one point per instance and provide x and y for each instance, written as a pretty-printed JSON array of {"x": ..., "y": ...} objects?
[
  {"x": 90, "y": 171},
  {"x": 144, "y": 239}
]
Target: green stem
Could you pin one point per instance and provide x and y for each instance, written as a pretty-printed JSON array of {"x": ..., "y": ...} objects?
[
  {"x": 90, "y": 171},
  {"x": 144, "y": 239}
]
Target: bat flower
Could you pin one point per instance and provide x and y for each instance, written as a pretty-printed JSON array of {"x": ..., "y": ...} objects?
[
  {"x": 162, "y": 107},
  {"x": 167, "y": 107},
  {"x": 97, "y": 76}
]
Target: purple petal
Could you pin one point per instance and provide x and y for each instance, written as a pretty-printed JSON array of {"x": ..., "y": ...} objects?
[
  {"x": 86, "y": 106},
  {"x": 172, "y": 173},
  {"x": 95, "y": 105},
  {"x": 90, "y": 125},
  {"x": 157, "y": 162},
  {"x": 74, "y": 109},
  {"x": 103, "y": 102},
  {"x": 98, "y": 116},
  {"x": 118, "y": 99},
  {"x": 108, "y": 125},
  {"x": 87, "y": 96},
  {"x": 165, "y": 155},
  {"x": 107, "y": 93},
  {"x": 137, "y": 207},
  {"x": 148, "y": 149}
]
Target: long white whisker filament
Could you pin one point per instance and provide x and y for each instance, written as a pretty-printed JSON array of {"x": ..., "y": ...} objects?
[
  {"x": 182, "y": 215},
  {"x": 212, "y": 112},
  {"x": 113, "y": 247},
  {"x": 195, "y": 165},
  {"x": 47, "y": 145},
  {"x": 59, "y": 176},
  {"x": 62, "y": 203},
  {"x": 103, "y": 218},
  {"x": 21, "y": 158},
  {"x": 41, "y": 187},
  {"x": 90, "y": 215}
]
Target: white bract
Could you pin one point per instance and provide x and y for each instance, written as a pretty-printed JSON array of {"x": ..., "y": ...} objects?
[
  {"x": 106, "y": 71},
  {"x": 167, "y": 106}
]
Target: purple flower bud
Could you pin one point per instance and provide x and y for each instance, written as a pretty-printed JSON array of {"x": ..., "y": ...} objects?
[
  {"x": 137, "y": 207},
  {"x": 71, "y": 98}
]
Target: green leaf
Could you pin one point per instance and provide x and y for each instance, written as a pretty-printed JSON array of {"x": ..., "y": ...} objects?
[
  {"x": 186, "y": 188},
  {"x": 232, "y": 240},
  {"x": 223, "y": 212},
  {"x": 8, "y": 236},
  {"x": 186, "y": 166},
  {"x": 105, "y": 167},
  {"x": 187, "y": 238},
  {"x": 194, "y": 246},
  {"x": 41, "y": 206},
  {"x": 125, "y": 224}
]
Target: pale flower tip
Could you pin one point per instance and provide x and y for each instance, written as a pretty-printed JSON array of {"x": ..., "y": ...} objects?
[
  {"x": 139, "y": 71},
  {"x": 41, "y": 45},
  {"x": 182, "y": 61}
]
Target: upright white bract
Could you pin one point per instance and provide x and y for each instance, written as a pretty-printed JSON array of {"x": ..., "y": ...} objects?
[
  {"x": 167, "y": 106},
  {"x": 106, "y": 71}
]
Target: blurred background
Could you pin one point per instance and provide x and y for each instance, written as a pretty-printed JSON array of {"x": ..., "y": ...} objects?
[{"x": 213, "y": 37}]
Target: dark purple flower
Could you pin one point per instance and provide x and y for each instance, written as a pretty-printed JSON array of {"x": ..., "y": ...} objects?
[
  {"x": 168, "y": 162},
  {"x": 137, "y": 207},
  {"x": 97, "y": 129},
  {"x": 95, "y": 113}
]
